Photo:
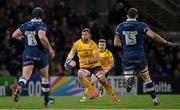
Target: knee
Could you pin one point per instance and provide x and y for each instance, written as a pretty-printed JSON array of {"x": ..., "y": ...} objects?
[
  {"x": 82, "y": 73},
  {"x": 102, "y": 78}
]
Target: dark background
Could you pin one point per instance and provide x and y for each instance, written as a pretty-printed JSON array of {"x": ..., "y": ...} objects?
[{"x": 65, "y": 19}]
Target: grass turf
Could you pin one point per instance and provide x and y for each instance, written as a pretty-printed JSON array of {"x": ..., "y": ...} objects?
[{"x": 72, "y": 102}]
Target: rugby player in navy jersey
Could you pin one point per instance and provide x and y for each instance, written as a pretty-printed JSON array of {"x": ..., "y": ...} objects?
[
  {"x": 129, "y": 35},
  {"x": 35, "y": 53}
]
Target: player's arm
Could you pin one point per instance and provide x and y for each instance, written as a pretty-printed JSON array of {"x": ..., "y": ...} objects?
[
  {"x": 17, "y": 34},
  {"x": 72, "y": 52},
  {"x": 111, "y": 65},
  {"x": 45, "y": 42},
  {"x": 157, "y": 37},
  {"x": 117, "y": 40},
  {"x": 70, "y": 55}
]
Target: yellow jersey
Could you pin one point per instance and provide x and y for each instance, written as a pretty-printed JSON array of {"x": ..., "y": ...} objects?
[
  {"x": 85, "y": 51},
  {"x": 105, "y": 58}
]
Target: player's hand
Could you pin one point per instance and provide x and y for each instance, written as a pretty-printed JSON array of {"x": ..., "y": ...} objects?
[
  {"x": 85, "y": 62},
  {"x": 65, "y": 66},
  {"x": 172, "y": 44},
  {"x": 105, "y": 71},
  {"x": 52, "y": 53}
]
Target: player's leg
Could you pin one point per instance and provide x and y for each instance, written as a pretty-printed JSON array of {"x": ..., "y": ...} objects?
[
  {"x": 149, "y": 86},
  {"x": 100, "y": 87},
  {"x": 82, "y": 74},
  {"x": 45, "y": 86},
  {"x": 102, "y": 79},
  {"x": 87, "y": 91},
  {"x": 130, "y": 79},
  {"x": 27, "y": 69},
  {"x": 43, "y": 66},
  {"x": 93, "y": 80},
  {"x": 101, "y": 90},
  {"x": 128, "y": 70}
]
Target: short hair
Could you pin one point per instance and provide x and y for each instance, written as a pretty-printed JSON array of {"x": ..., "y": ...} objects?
[
  {"x": 38, "y": 12},
  {"x": 132, "y": 12},
  {"x": 86, "y": 30},
  {"x": 102, "y": 41}
]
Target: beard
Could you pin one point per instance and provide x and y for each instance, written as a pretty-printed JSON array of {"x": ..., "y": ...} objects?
[{"x": 85, "y": 39}]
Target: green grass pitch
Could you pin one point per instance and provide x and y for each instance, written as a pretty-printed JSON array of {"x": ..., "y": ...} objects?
[{"x": 72, "y": 102}]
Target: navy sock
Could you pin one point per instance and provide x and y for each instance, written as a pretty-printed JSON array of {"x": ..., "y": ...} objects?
[
  {"x": 45, "y": 91},
  {"x": 150, "y": 90}
]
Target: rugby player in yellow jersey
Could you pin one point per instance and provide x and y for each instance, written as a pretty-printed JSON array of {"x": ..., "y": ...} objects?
[
  {"x": 107, "y": 63},
  {"x": 88, "y": 54}
]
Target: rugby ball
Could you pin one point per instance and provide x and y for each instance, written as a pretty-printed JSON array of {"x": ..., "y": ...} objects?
[{"x": 70, "y": 63}]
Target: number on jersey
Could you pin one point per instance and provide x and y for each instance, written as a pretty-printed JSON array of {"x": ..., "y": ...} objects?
[
  {"x": 130, "y": 37},
  {"x": 31, "y": 38}
]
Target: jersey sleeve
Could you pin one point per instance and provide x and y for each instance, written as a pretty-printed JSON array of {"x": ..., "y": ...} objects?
[
  {"x": 145, "y": 27},
  {"x": 22, "y": 28},
  {"x": 110, "y": 56},
  {"x": 42, "y": 27},
  {"x": 74, "y": 48},
  {"x": 95, "y": 48},
  {"x": 117, "y": 30}
]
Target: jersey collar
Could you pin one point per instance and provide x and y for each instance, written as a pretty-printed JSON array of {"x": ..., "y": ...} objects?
[
  {"x": 36, "y": 20},
  {"x": 131, "y": 20},
  {"x": 85, "y": 42},
  {"x": 102, "y": 51}
]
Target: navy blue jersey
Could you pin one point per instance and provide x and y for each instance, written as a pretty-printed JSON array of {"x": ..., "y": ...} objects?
[
  {"x": 131, "y": 33},
  {"x": 30, "y": 32},
  {"x": 34, "y": 53}
]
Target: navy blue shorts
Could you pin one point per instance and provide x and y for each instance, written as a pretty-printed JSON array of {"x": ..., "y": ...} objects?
[
  {"x": 94, "y": 70},
  {"x": 136, "y": 63},
  {"x": 37, "y": 58}
]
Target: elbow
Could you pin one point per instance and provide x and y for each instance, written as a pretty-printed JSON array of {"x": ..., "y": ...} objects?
[
  {"x": 13, "y": 35},
  {"x": 41, "y": 38},
  {"x": 96, "y": 59},
  {"x": 117, "y": 45},
  {"x": 153, "y": 37}
]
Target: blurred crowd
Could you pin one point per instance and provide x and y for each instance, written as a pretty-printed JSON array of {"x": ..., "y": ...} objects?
[{"x": 64, "y": 26}]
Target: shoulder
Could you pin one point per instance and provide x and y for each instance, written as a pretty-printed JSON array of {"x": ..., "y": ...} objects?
[
  {"x": 108, "y": 52},
  {"x": 77, "y": 42},
  {"x": 92, "y": 43},
  {"x": 142, "y": 23},
  {"x": 120, "y": 26},
  {"x": 41, "y": 26},
  {"x": 24, "y": 24}
]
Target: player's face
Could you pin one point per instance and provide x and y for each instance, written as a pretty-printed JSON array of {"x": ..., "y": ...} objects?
[
  {"x": 101, "y": 46},
  {"x": 85, "y": 36}
]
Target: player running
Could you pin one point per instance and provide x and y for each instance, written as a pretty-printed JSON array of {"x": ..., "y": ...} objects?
[
  {"x": 35, "y": 53},
  {"x": 88, "y": 54},
  {"x": 107, "y": 63},
  {"x": 129, "y": 35}
]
